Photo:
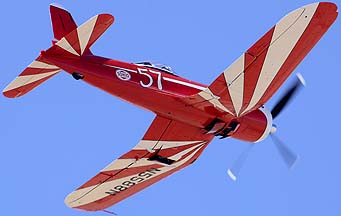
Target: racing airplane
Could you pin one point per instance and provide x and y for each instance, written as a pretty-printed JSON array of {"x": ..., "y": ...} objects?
[{"x": 188, "y": 114}]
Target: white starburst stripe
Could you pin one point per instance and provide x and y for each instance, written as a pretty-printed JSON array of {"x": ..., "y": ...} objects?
[
  {"x": 236, "y": 90},
  {"x": 234, "y": 77},
  {"x": 213, "y": 99},
  {"x": 179, "y": 155},
  {"x": 119, "y": 164},
  {"x": 85, "y": 31},
  {"x": 131, "y": 162},
  {"x": 150, "y": 144},
  {"x": 25, "y": 80},
  {"x": 93, "y": 193},
  {"x": 42, "y": 65},
  {"x": 286, "y": 34},
  {"x": 64, "y": 44}
]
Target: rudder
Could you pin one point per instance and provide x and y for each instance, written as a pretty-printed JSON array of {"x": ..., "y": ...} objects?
[
  {"x": 78, "y": 41},
  {"x": 61, "y": 20}
]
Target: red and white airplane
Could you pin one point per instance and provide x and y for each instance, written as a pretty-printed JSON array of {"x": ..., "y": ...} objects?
[{"x": 188, "y": 114}]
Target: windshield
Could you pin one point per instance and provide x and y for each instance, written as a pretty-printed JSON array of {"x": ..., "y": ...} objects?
[{"x": 159, "y": 66}]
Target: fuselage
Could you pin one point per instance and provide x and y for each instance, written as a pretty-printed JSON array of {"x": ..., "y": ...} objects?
[{"x": 156, "y": 90}]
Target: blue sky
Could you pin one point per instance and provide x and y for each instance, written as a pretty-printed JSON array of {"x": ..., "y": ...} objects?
[{"x": 58, "y": 136}]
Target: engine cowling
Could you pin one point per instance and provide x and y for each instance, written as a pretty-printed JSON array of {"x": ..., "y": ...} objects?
[{"x": 255, "y": 126}]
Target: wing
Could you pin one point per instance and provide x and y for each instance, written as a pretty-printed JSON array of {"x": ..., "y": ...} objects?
[
  {"x": 254, "y": 77},
  {"x": 167, "y": 147}
]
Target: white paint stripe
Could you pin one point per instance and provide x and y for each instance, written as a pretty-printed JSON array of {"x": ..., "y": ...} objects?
[
  {"x": 184, "y": 83},
  {"x": 234, "y": 70},
  {"x": 236, "y": 90},
  {"x": 179, "y": 155},
  {"x": 124, "y": 163},
  {"x": 175, "y": 144},
  {"x": 64, "y": 44},
  {"x": 287, "y": 33},
  {"x": 213, "y": 99},
  {"x": 93, "y": 193},
  {"x": 119, "y": 164},
  {"x": 24, "y": 80},
  {"x": 42, "y": 65},
  {"x": 234, "y": 77},
  {"x": 134, "y": 71},
  {"x": 85, "y": 32},
  {"x": 150, "y": 144}
]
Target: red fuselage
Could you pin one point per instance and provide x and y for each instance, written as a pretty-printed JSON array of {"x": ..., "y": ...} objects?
[{"x": 156, "y": 90}]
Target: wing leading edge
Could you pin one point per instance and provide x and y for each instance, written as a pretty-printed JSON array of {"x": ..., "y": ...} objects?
[{"x": 167, "y": 147}]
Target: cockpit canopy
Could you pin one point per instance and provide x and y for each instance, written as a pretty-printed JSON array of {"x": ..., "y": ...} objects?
[{"x": 159, "y": 66}]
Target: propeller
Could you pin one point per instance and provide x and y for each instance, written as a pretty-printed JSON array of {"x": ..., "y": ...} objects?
[
  {"x": 283, "y": 102},
  {"x": 233, "y": 172},
  {"x": 288, "y": 156}
]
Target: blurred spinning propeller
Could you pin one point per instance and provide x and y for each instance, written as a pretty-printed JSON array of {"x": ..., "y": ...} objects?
[{"x": 288, "y": 156}]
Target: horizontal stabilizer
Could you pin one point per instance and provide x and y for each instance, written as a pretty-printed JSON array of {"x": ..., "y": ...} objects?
[{"x": 35, "y": 74}]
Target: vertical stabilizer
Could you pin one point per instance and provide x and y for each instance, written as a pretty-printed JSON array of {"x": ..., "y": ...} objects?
[{"x": 62, "y": 21}]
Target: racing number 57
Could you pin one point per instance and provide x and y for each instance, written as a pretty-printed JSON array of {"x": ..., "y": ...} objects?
[{"x": 145, "y": 72}]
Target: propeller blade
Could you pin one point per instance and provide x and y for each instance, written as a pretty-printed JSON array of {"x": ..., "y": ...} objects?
[
  {"x": 288, "y": 156},
  {"x": 288, "y": 96},
  {"x": 233, "y": 172}
]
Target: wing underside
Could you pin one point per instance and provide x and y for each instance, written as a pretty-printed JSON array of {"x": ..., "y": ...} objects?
[
  {"x": 254, "y": 77},
  {"x": 167, "y": 147}
]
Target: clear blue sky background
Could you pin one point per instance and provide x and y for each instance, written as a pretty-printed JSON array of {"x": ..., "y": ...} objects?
[{"x": 55, "y": 138}]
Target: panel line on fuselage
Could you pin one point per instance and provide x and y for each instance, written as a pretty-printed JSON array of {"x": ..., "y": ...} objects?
[
  {"x": 184, "y": 83},
  {"x": 134, "y": 71}
]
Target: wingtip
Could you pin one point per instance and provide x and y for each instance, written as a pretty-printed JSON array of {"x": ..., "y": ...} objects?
[
  {"x": 70, "y": 200},
  {"x": 11, "y": 93},
  {"x": 6, "y": 94}
]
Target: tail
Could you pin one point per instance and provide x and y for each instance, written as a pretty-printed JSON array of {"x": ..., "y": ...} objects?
[{"x": 72, "y": 41}]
